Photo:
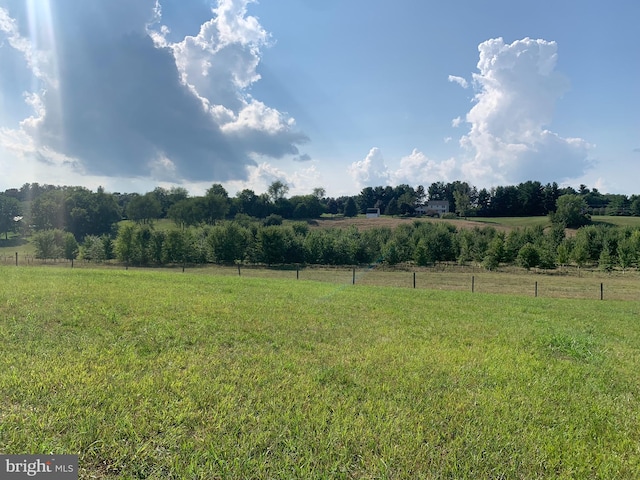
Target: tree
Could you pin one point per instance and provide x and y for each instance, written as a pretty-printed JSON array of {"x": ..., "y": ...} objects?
[
  {"x": 93, "y": 249},
  {"x": 125, "y": 243},
  {"x": 70, "y": 246},
  {"x": 562, "y": 254},
  {"x": 46, "y": 245},
  {"x": 605, "y": 261},
  {"x": 214, "y": 207},
  {"x": 217, "y": 189},
  {"x": 47, "y": 211},
  {"x": 277, "y": 190},
  {"x": 228, "y": 242},
  {"x": 495, "y": 253},
  {"x": 462, "y": 202},
  {"x": 10, "y": 214},
  {"x": 273, "y": 244},
  {"x": 175, "y": 248},
  {"x": 319, "y": 193},
  {"x": 366, "y": 199},
  {"x": 580, "y": 253},
  {"x": 530, "y": 198},
  {"x": 392, "y": 207},
  {"x": 626, "y": 253},
  {"x": 187, "y": 212},
  {"x": 144, "y": 208},
  {"x": 350, "y": 208},
  {"x": 421, "y": 196},
  {"x": 247, "y": 202},
  {"x": 528, "y": 256},
  {"x": 571, "y": 211}
]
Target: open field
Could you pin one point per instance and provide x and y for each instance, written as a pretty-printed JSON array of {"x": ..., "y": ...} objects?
[
  {"x": 512, "y": 222},
  {"x": 499, "y": 223},
  {"x": 13, "y": 244},
  {"x": 619, "y": 221},
  {"x": 566, "y": 282},
  {"x": 159, "y": 374},
  {"x": 363, "y": 223}
]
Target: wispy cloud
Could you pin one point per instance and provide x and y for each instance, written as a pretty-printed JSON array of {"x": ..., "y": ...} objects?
[{"x": 459, "y": 80}]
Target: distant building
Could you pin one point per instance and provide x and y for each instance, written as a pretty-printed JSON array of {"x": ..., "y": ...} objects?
[
  {"x": 373, "y": 212},
  {"x": 434, "y": 208}
]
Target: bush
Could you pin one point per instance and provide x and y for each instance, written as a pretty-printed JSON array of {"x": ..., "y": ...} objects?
[{"x": 272, "y": 220}]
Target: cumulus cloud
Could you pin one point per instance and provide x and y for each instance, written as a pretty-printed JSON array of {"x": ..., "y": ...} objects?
[
  {"x": 459, "y": 80},
  {"x": 417, "y": 169},
  {"x": 126, "y": 99},
  {"x": 371, "y": 171},
  {"x": 509, "y": 138},
  {"x": 456, "y": 122},
  {"x": 414, "y": 169},
  {"x": 300, "y": 182}
]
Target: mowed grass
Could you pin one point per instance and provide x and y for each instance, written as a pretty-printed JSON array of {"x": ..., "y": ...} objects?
[
  {"x": 13, "y": 244},
  {"x": 170, "y": 375},
  {"x": 619, "y": 221},
  {"x": 513, "y": 222}
]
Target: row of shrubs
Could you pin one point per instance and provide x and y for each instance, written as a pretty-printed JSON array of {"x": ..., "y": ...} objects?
[{"x": 420, "y": 243}]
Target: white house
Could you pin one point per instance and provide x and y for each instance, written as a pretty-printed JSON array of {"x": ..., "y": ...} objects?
[{"x": 434, "y": 208}]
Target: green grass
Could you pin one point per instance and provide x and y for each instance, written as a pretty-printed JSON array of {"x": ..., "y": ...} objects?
[
  {"x": 170, "y": 375},
  {"x": 513, "y": 222},
  {"x": 13, "y": 244},
  {"x": 618, "y": 221}
]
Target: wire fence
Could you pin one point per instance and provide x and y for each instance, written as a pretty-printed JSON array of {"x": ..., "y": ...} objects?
[{"x": 569, "y": 282}]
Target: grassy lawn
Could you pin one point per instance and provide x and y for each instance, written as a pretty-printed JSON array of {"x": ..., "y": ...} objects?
[
  {"x": 13, "y": 244},
  {"x": 170, "y": 375},
  {"x": 513, "y": 222},
  {"x": 616, "y": 220}
]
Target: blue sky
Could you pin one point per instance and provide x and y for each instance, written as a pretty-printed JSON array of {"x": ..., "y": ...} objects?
[{"x": 332, "y": 94}]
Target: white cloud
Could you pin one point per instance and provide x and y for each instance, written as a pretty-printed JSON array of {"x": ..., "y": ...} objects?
[
  {"x": 459, "y": 80},
  {"x": 417, "y": 169},
  {"x": 300, "y": 182},
  {"x": 414, "y": 169},
  {"x": 371, "y": 171},
  {"x": 456, "y": 122},
  {"x": 509, "y": 140},
  {"x": 127, "y": 101}
]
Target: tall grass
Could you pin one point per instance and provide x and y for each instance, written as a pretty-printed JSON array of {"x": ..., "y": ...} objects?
[{"x": 170, "y": 375}]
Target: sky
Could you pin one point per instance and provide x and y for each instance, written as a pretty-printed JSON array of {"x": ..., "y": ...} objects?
[{"x": 333, "y": 94}]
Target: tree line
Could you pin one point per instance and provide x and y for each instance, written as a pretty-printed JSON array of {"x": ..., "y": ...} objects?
[
  {"x": 420, "y": 243},
  {"x": 74, "y": 222},
  {"x": 82, "y": 212}
]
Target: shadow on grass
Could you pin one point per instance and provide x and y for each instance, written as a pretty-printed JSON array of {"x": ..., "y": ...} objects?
[{"x": 13, "y": 242}]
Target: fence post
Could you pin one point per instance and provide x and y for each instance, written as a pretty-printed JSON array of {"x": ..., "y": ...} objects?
[
  {"x": 536, "y": 289},
  {"x": 297, "y": 273},
  {"x": 601, "y": 291},
  {"x": 72, "y": 263},
  {"x": 238, "y": 269},
  {"x": 16, "y": 259},
  {"x": 473, "y": 283},
  {"x": 353, "y": 279},
  {"x": 414, "y": 279}
]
